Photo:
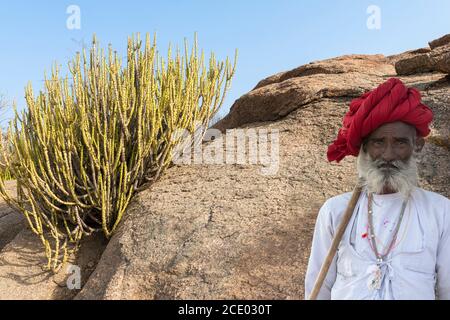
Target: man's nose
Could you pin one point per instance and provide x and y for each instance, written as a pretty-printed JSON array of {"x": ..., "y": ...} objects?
[{"x": 388, "y": 154}]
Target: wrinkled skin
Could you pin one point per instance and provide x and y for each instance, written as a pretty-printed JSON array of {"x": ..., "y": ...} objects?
[{"x": 392, "y": 142}]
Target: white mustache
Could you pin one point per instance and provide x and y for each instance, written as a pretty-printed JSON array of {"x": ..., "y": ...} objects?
[
  {"x": 395, "y": 164},
  {"x": 401, "y": 176}
]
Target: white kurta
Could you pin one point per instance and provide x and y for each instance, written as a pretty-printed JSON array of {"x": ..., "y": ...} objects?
[{"x": 419, "y": 260}]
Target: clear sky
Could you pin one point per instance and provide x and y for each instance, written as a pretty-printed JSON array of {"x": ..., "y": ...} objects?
[{"x": 271, "y": 36}]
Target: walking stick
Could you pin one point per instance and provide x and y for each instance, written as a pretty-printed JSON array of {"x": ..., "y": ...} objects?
[{"x": 335, "y": 243}]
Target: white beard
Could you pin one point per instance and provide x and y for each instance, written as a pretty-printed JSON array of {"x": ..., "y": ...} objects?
[{"x": 402, "y": 180}]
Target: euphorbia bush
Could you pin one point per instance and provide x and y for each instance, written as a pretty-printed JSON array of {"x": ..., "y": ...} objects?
[{"x": 87, "y": 142}]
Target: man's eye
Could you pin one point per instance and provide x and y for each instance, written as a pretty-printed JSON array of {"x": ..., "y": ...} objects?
[{"x": 378, "y": 143}]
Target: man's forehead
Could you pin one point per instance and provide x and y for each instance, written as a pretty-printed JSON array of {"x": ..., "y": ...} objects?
[{"x": 394, "y": 129}]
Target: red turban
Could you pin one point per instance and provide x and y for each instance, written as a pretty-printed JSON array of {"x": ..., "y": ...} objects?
[{"x": 390, "y": 102}]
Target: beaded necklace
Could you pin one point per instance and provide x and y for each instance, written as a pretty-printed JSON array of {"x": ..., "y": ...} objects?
[
  {"x": 407, "y": 216},
  {"x": 380, "y": 257}
]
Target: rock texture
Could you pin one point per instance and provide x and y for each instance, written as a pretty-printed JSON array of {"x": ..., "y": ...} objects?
[
  {"x": 278, "y": 95},
  {"x": 10, "y": 222},
  {"x": 227, "y": 231},
  {"x": 22, "y": 259},
  {"x": 436, "y": 59},
  {"x": 442, "y": 41}
]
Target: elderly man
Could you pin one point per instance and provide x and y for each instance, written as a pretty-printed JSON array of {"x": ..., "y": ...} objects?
[{"x": 397, "y": 242}]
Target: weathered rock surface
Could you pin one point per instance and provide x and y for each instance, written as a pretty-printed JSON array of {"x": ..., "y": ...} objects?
[
  {"x": 437, "y": 59},
  {"x": 22, "y": 275},
  {"x": 11, "y": 222},
  {"x": 278, "y": 95},
  {"x": 440, "y": 42},
  {"x": 22, "y": 258}
]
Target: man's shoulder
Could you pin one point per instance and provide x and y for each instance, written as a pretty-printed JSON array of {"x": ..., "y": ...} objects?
[
  {"x": 339, "y": 201},
  {"x": 334, "y": 207},
  {"x": 432, "y": 197}
]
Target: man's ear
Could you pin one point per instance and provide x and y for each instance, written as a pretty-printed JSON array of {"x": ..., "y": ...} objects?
[
  {"x": 364, "y": 144},
  {"x": 420, "y": 142}
]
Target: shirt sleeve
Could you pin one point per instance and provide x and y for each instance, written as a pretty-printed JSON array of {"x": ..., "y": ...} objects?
[
  {"x": 443, "y": 258},
  {"x": 322, "y": 238}
]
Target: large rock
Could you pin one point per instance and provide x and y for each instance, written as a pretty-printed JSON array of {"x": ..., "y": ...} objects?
[
  {"x": 10, "y": 225},
  {"x": 444, "y": 40},
  {"x": 441, "y": 59},
  {"x": 437, "y": 59},
  {"x": 228, "y": 231},
  {"x": 11, "y": 222},
  {"x": 366, "y": 64},
  {"x": 278, "y": 95}
]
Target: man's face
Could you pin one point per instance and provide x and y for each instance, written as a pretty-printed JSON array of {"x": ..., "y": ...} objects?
[
  {"x": 392, "y": 142},
  {"x": 387, "y": 162}
]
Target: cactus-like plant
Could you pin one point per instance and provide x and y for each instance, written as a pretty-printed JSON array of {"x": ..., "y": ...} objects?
[
  {"x": 81, "y": 150},
  {"x": 5, "y": 173}
]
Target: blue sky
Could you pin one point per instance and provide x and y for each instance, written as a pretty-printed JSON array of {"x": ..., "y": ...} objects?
[{"x": 271, "y": 36}]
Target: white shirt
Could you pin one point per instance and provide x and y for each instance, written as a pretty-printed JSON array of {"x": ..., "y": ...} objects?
[{"x": 418, "y": 262}]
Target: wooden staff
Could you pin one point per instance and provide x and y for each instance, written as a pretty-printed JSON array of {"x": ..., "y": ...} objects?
[{"x": 335, "y": 243}]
